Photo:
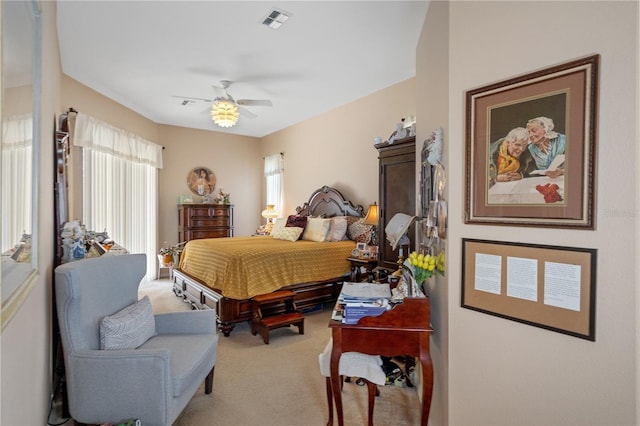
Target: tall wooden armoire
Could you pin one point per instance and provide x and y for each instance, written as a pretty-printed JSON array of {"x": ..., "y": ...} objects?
[{"x": 397, "y": 193}]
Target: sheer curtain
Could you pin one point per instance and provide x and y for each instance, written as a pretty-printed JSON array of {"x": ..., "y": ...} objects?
[
  {"x": 120, "y": 185},
  {"x": 17, "y": 139},
  {"x": 273, "y": 172}
]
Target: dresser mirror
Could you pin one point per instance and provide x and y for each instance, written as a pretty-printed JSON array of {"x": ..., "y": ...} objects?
[{"x": 21, "y": 44}]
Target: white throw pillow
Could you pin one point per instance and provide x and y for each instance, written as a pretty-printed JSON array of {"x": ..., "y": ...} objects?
[
  {"x": 128, "y": 328},
  {"x": 289, "y": 233},
  {"x": 278, "y": 224},
  {"x": 316, "y": 229},
  {"x": 338, "y": 229}
]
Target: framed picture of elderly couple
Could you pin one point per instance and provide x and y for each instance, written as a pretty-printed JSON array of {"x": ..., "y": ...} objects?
[{"x": 530, "y": 148}]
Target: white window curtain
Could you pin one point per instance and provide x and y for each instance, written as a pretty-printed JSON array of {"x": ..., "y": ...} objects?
[
  {"x": 120, "y": 185},
  {"x": 274, "y": 175},
  {"x": 17, "y": 140}
]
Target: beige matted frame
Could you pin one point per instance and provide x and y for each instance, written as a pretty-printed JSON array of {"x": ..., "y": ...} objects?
[
  {"x": 545, "y": 286},
  {"x": 566, "y": 93}
]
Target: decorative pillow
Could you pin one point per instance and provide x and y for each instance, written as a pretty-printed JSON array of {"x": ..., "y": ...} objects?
[
  {"x": 316, "y": 229},
  {"x": 289, "y": 233},
  {"x": 352, "y": 219},
  {"x": 278, "y": 223},
  {"x": 359, "y": 232},
  {"x": 128, "y": 328},
  {"x": 338, "y": 229},
  {"x": 297, "y": 221}
]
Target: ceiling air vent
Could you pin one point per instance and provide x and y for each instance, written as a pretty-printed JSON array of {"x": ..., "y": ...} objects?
[{"x": 275, "y": 18}]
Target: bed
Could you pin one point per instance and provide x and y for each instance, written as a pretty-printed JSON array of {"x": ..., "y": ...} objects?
[{"x": 225, "y": 273}]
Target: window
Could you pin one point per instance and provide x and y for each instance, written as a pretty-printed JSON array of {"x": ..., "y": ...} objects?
[
  {"x": 274, "y": 175},
  {"x": 120, "y": 186},
  {"x": 17, "y": 135}
]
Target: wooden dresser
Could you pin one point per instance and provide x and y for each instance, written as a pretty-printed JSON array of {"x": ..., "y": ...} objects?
[{"x": 197, "y": 221}]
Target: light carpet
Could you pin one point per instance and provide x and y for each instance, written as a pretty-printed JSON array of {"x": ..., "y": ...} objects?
[{"x": 279, "y": 383}]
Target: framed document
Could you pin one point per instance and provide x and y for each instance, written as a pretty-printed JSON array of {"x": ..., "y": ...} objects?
[{"x": 550, "y": 287}]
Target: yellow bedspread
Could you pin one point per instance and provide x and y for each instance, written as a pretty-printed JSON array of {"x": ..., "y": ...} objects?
[{"x": 243, "y": 267}]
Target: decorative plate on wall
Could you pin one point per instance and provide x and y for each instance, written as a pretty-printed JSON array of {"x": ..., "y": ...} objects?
[{"x": 201, "y": 181}]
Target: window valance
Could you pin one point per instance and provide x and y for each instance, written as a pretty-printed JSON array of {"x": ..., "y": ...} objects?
[
  {"x": 92, "y": 133},
  {"x": 273, "y": 165},
  {"x": 17, "y": 132}
]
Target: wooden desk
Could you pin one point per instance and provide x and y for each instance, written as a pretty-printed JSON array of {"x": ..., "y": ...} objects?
[{"x": 404, "y": 330}]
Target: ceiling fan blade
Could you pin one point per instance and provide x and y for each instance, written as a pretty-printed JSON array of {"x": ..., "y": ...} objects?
[
  {"x": 189, "y": 98},
  {"x": 254, "y": 102},
  {"x": 246, "y": 113}
]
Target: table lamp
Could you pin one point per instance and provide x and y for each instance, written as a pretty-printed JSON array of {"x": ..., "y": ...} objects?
[
  {"x": 269, "y": 213},
  {"x": 396, "y": 233},
  {"x": 373, "y": 214}
]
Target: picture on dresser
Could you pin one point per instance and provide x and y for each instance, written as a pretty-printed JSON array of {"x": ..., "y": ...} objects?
[{"x": 201, "y": 181}]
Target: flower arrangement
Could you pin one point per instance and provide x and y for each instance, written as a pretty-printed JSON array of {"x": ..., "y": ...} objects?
[
  {"x": 223, "y": 197},
  {"x": 423, "y": 266},
  {"x": 173, "y": 251}
]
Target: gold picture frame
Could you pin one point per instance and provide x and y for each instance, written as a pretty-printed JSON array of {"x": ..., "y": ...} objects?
[
  {"x": 201, "y": 181},
  {"x": 565, "y": 96}
]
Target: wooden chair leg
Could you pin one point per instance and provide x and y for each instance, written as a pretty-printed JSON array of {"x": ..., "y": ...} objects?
[
  {"x": 372, "y": 390},
  {"x": 329, "y": 402},
  {"x": 208, "y": 381}
]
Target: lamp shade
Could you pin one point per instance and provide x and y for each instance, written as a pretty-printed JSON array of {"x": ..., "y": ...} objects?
[
  {"x": 270, "y": 212},
  {"x": 372, "y": 215},
  {"x": 397, "y": 228},
  {"x": 224, "y": 113}
]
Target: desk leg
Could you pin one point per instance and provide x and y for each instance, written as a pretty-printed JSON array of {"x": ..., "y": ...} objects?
[
  {"x": 336, "y": 352},
  {"x": 427, "y": 378}
]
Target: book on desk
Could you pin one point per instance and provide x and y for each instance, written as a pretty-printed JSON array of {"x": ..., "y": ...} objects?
[{"x": 357, "y": 300}]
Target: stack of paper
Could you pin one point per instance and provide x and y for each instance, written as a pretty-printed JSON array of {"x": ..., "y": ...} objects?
[{"x": 363, "y": 299}]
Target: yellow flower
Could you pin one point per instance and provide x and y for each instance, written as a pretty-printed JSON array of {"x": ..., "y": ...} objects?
[{"x": 423, "y": 266}]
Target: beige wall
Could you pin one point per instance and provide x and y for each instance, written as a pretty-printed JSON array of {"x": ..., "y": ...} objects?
[
  {"x": 432, "y": 111},
  {"x": 502, "y": 372},
  {"x": 236, "y": 162},
  {"x": 336, "y": 148}
]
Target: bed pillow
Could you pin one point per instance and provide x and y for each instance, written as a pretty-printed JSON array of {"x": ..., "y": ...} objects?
[
  {"x": 278, "y": 224},
  {"x": 359, "y": 232},
  {"x": 128, "y": 328},
  {"x": 316, "y": 229},
  {"x": 338, "y": 229},
  {"x": 297, "y": 221},
  {"x": 289, "y": 233}
]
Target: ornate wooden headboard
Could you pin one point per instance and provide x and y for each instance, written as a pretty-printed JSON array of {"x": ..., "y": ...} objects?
[{"x": 329, "y": 202}]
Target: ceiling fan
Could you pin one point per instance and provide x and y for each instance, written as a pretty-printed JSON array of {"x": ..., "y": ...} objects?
[{"x": 224, "y": 108}]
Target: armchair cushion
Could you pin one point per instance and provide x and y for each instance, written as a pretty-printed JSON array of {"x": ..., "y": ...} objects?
[
  {"x": 128, "y": 328},
  {"x": 189, "y": 357}
]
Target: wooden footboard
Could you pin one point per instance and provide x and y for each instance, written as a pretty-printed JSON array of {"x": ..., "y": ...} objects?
[{"x": 232, "y": 311}]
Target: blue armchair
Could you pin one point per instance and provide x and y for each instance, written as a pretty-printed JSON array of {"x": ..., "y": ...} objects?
[{"x": 152, "y": 382}]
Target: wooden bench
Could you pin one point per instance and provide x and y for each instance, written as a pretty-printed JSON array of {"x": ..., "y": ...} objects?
[{"x": 275, "y": 310}]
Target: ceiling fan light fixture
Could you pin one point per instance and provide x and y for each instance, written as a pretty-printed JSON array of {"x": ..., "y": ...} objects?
[{"x": 224, "y": 113}]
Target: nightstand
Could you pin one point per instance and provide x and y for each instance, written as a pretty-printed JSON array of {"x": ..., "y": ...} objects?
[{"x": 356, "y": 265}]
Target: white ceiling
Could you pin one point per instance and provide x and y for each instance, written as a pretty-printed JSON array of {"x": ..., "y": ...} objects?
[{"x": 142, "y": 54}]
